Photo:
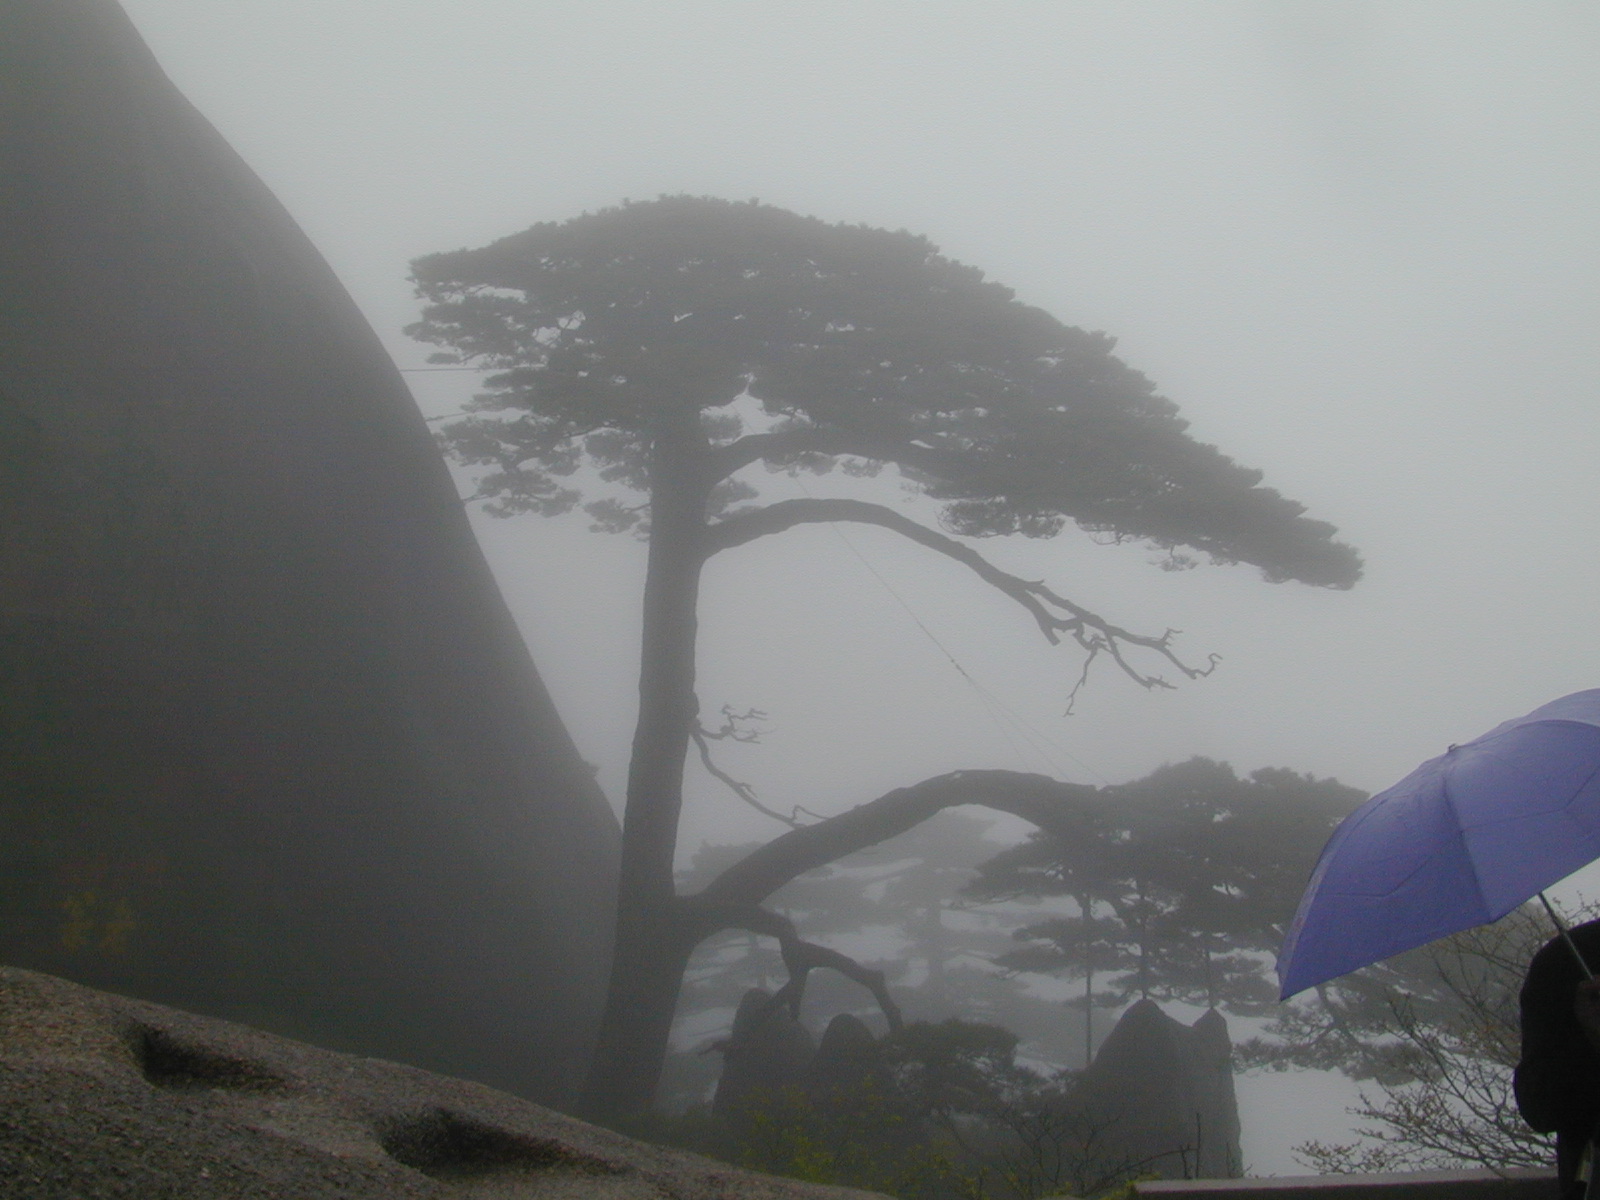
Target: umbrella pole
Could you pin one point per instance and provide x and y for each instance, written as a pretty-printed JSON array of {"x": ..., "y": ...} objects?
[{"x": 1566, "y": 936}]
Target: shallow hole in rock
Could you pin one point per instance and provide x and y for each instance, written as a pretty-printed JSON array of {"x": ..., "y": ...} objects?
[
  {"x": 169, "y": 1062},
  {"x": 448, "y": 1145}
]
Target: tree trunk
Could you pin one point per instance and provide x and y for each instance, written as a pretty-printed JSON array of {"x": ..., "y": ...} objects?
[
  {"x": 647, "y": 973},
  {"x": 653, "y": 943},
  {"x": 656, "y": 930},
  {"x": 1086, "y": 910}
]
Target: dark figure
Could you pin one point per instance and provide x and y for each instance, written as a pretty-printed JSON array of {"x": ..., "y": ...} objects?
[{"x": 1558, "y": 1079}]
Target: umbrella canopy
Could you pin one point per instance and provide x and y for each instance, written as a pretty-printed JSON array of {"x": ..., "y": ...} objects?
[{"x": 1461, "y": 841}]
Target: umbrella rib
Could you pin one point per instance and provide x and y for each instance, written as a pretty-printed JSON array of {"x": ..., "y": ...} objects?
[{"x": 1461, "y": 832}]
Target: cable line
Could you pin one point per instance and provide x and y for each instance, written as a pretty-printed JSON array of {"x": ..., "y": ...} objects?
[{"x": 998, "y": 711}]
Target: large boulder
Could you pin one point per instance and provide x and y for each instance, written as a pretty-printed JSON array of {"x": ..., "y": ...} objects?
[
  {"x": 765, "y": 1058},
  {"x": 271, "y": 746},
  {"x": 103, "y": 1097},
  {"x": 848, "y": 1061},
  {"x": 1159, "y": 1097}
]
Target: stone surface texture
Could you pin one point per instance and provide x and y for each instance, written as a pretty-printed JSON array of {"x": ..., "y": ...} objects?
[
  {"x": 271, "y": 746},
  {"x": 102, "y": 1096}
]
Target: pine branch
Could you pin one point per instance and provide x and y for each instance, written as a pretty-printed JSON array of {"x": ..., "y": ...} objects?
[
  {"x": 738, "y": 787},
  {"x": 800, "y": 958},
  {"x": 1036, "y": 798},
  {"x": 1055, "y": 615}
]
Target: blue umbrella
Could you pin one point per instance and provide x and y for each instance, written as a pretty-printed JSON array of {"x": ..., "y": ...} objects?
[{"x": 1461, "y": 841}]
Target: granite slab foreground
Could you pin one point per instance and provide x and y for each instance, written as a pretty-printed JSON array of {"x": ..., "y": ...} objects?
[{"x": 103, "y": 1096}]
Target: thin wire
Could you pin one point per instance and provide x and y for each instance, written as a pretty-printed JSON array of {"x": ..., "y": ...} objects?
[
  {"x": 997, "y": 711},
  {"x": 420, "y": 370},
  {"x": 1039, "y": 742},
  {"x": 1010, "y": 724}
]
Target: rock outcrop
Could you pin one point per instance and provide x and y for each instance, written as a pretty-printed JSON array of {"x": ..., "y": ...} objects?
[
  {"x": 271, "y": 746},
  {"x": 767, "y": 1054},
  {"x": 104, "y": 1097},
  {"x": 848, "y": 1060},
  {"x": 1159, "y": 1096}
]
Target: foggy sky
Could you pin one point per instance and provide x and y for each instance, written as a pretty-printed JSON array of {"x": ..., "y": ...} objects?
[{"x": 1356, "y": 243}]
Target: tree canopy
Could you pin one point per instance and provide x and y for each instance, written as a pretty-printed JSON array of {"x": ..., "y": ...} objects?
[
  {"x": 1183, "y": 882},
  {"x": 616, "y": 327}
]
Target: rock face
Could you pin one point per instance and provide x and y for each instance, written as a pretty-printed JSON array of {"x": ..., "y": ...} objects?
[
  {"x": 104, "y": 1097},
  {"x": 1160, "y": 1094},
  {"x": 763, "y": 1056},
  {"x": 847, "y": 1060},
  {"x": 270, "y": 744}
]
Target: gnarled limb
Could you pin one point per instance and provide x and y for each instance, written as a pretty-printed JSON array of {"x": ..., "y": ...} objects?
[
  {"x": 738, "y": 787},
  {"x": 1035, "y": 798},
  {"x": 801, "y": 957},
  {"x": 740, "y": 727},
  {"x": 737, "y": 726},
  {"x": 1053, "y": 613},
  {"x": 733, "y": 900}
]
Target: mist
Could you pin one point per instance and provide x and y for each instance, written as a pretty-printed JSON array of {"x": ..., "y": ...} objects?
[{"x": 1355, "y": 243}]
